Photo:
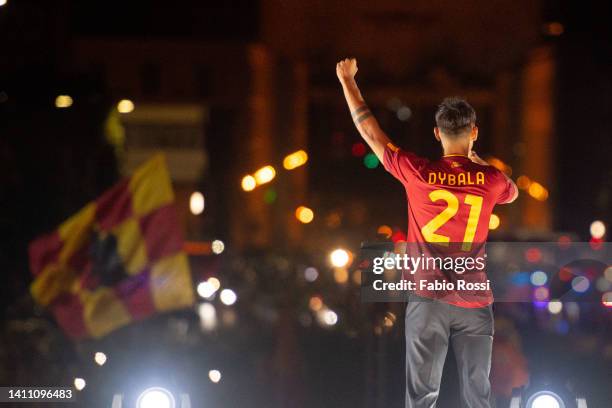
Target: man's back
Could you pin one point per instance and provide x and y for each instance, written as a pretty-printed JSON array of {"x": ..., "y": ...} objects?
[{"x": 450, "y": 202}]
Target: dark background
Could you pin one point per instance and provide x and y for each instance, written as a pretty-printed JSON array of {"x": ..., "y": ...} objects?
[{"x": 53, "y": 161}]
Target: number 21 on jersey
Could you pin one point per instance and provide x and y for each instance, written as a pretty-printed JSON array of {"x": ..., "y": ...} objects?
[{"x": 452, "y": 206}]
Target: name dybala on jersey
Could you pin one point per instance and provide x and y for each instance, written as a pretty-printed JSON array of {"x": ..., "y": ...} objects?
[{"x": 450, "y": 202}]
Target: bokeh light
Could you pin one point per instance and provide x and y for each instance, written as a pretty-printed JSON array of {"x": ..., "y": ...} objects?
[
  {"x": 385, "y": 230},
  {"x": 125, "y": 106},
  {"x": 541, "y": 293},
  {"x": 327, "y": 317},
  {"x": 553, "y": 28},
  {"x": 100, "y": 358},
  {"x": 196, "y": 203},
  {"x": 580, "y": 284},
  {"x": 404, "y": 113},
  {"x": 206, "y": 289},
  {"x": 208, "y": 316},
  {"x": 357, "y": 277},
  {"x": 228, "y": 297},
  {"x": 264, "y": 175},
  {"x": 499, "y": 165},
  {"x": 270, "y": 196},
  {"x": 389, "y": 319},
  {"x": 602, "y": 284},
  {"x": 494, "y": 222},
  {"x": 79, "y": 383},
  {"x": 533, "y": 255},
  {"x": 341, "y": 275},
  {"x": 538, "y": 278},
  {"x": 608, "y": 273},
  {"x": 606, "y": 299},
  {"x": 520, "y": 278},
  {"x": 214, "y": 376},
  {"x": 596, "y": 243},
  {"x": 565, "y": 274},
  {"x": 358, "y": 149},
  {"x": 304, "y": 214},
  {"x": 564, "y": 241},
  {"x": 217, "y": 246},
  {"x": 523, "y": 182},
  {"x": 155, "y": 398},
  {"x": 370, "y": 161},
  {"x": 248, "y": 183},
  {"x": 537, "y": 191},
  {"x": 295, "y": 160},
  {"x": 214, "y": 282},
  {"x": 555, "y": 306},
  {"x": 315, "y": 303},
  {"x": 598, "y": 229},
  {"x": 339, "y": 257},
  {"x": 311, "y": 274},
  {"x": 63, "y": 101},
  {"x": 398, "y": 236}
]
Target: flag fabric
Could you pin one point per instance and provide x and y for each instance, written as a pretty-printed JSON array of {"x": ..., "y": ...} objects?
[{"x": 118, "y": 260}]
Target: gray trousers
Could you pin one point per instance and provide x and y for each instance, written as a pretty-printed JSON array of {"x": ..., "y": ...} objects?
[{"x": 430, "y": 325}]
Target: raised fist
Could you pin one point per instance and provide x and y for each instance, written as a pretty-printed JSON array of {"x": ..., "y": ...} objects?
[{"x": 346, "y": 69}]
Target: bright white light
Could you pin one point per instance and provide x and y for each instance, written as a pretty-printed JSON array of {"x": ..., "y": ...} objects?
[
  {"x": 538, "y": 278},
  {"x": 2, "y": 2},
  {"x": 208, "y": 316},
  {"x": 125, "y": 106},
  {"x": 264, "y": 175},
  {"x": 217, "y": 246},
  {"x": 79, "y": 383},
  {"x": 311, "y": 274},
  {"x": 330, "y": 317},
  {"x": 100, "y": 358},
  {"x": 196, "y": 203},
  {"x": 598, "y": 229},
  {"x": 228, "y": 297},
  {"x": 545, "y": 401},
  {"x": 580, "y": 284},
  {"x": 555, "y": 306},
  {"x": 214, "y": 375},
  {"x": 206, "y": 289},
  {"x": 62, "y": 101},
  {"x": 155, "y": 398},
  {"x": 248, "y": 183},
  {"x": 339, "y": 258}
]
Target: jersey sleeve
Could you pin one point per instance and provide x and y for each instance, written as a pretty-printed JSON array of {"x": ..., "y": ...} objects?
[
  {"x": 401, "y": 164},
  {"x": 507, "y": 189}
]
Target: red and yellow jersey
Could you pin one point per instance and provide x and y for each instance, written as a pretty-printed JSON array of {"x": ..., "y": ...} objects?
[{"x": 450, "y": 202}]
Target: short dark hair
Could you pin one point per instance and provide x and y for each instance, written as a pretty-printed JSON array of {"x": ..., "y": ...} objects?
[{"x": 454, "y": 116}]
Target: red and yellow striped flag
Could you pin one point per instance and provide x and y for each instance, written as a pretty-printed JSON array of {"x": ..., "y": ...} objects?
[{"x": 116, "y": 261}]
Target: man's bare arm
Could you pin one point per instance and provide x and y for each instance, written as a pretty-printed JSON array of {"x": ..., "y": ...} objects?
[{"x": 366, "y": 123}]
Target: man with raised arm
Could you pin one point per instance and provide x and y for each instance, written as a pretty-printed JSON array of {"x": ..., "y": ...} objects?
[{"x": 450, "y": 202}]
